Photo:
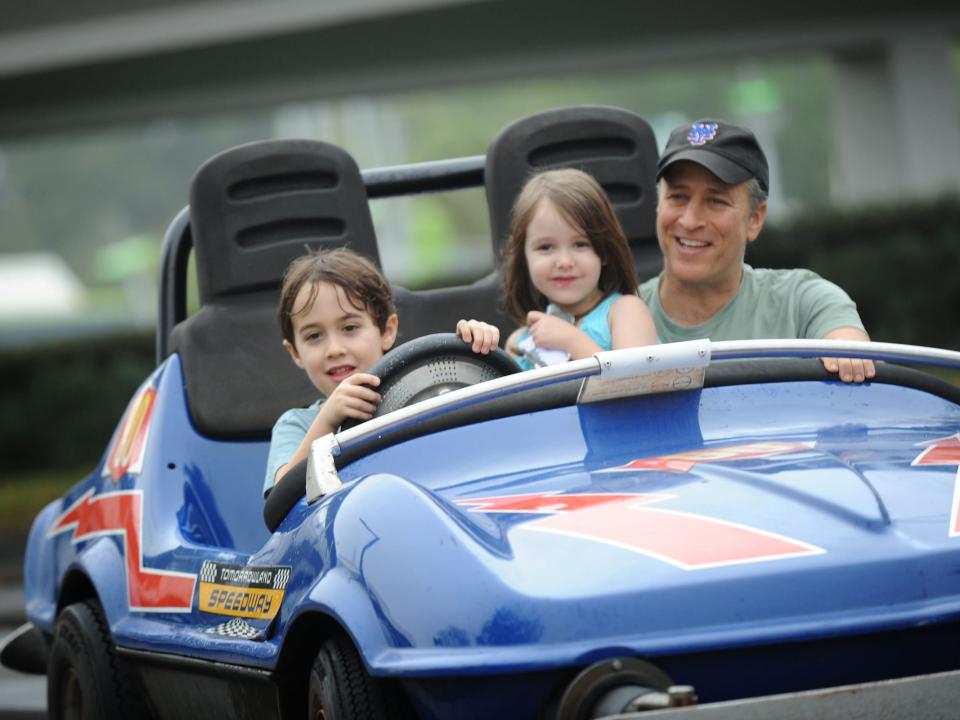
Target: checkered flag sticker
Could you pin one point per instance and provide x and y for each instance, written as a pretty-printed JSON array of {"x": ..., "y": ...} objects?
[
  {"x": 281, "y": 578},
  {"x": 236, "y": 628},
  {"x": 208, "y": 572}
]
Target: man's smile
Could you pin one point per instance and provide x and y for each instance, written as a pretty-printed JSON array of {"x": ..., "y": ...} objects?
[{"x": 692, "y": 244}]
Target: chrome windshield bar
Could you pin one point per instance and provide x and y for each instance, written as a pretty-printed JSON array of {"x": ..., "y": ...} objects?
[
  {"x": 890, "y": 352},
  {"x": 618, "y": 364}
]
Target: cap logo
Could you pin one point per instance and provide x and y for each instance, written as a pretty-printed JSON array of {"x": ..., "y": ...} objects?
[{"x": 702, "y": 132}]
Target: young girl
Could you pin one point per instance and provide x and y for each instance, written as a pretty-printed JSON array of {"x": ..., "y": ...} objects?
[
  {"x": 568, "y": 274},
  {"x": 337, "y": 319}
]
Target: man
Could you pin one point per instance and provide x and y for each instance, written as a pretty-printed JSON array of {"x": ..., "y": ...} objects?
[{"x": 713, "y": 182}]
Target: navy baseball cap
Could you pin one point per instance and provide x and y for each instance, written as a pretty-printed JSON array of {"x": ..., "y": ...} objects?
[{"x": 730, "y": 152}]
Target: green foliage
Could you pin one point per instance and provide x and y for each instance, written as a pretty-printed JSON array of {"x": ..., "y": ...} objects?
[
  {"x": 23, "y": 496},
  {"x": 61, "y": 402},
  {"x": 899, "y": 264}
]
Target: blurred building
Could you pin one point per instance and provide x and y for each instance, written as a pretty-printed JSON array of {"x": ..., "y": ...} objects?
[
  {"x": 895, "y": 121},
  {"x": 38, "y": 286}
]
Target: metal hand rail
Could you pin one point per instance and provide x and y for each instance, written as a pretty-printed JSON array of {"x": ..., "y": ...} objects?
[{"x": 627, "y": 363}]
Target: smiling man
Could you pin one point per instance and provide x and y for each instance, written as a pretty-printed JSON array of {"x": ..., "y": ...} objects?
[{"x": 713, "y": 182}]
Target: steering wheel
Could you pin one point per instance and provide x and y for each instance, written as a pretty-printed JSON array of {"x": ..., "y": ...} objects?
[{"x": 429, "y": 366}]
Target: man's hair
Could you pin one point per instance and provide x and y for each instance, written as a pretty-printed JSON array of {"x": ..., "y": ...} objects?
[
  {"x": 756, "y": 193},
  {"x": 584, "y": 204},
  {"x": 362, "y": 282}
]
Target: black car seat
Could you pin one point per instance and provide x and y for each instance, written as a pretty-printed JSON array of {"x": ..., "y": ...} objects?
[
  {"x": 614, "y": 145},
  {"x": 253, "y": 209}
]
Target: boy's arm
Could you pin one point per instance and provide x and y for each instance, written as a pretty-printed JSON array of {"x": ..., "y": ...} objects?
[
  {"x": 318, "y": 428},
  {"x": 350, "y": 399}
]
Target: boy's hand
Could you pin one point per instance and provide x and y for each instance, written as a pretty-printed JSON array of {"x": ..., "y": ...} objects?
[
  {"x": 351, "y": 399},
  {"x": 482, "y": 336},
  {"x": 550, "y": 332}
]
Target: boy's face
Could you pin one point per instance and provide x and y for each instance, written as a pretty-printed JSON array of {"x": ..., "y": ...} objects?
[{"x": 333, "y": 339}]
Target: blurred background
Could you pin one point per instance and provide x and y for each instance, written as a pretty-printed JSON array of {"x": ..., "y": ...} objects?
[{"x": 107, "y": 108}]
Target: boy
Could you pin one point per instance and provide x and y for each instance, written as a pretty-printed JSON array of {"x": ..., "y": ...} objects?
[{"x": 337, "y": 319}]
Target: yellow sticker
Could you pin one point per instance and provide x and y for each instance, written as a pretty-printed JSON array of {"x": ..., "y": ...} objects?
[
  {"x": 242, "y": 591},
  {"x": 241, "y": 602}
]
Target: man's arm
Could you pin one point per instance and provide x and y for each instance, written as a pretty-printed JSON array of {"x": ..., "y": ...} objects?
[{"x": 849, "y": 369}]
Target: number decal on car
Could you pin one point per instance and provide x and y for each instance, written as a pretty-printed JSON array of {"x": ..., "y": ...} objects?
[{"x": 126, "y": 453}]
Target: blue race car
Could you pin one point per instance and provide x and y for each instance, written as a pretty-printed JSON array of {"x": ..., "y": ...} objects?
[{"x": 722, "y": 523}]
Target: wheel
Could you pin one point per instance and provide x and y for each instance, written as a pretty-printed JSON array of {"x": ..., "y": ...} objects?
[
  {"x": 341, "y": 689},
  {"x": 85, "y": 678},
  {"x": 429, "y": 366}
]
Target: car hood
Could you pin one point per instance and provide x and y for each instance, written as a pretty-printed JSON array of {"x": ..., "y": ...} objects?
[{"x": 687, "y": 521}]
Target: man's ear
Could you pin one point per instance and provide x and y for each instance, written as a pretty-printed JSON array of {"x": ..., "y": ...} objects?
[
  {"x": 389, "y": 335},
  {"x": 755, "y": 222},
  {"x": 289, "y": 347}
]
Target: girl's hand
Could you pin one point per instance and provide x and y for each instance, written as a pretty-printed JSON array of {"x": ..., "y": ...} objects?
[
  {"x": 482, "y": 336},
  {"x": 351, "y": 399},
  {"x": 511, "y": 345},
  {"x": 552, "y": 332}
]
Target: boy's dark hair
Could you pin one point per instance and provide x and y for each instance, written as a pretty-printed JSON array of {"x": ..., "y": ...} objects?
[
  {"x": 364, "y": 285},
  {"x": 585, "y": 205}
]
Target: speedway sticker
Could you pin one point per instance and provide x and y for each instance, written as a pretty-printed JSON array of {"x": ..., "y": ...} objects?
[{"x": 250, "y": 591}]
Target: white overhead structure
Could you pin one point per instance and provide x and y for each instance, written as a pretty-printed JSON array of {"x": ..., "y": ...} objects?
[{"x": 92, "y": 62}]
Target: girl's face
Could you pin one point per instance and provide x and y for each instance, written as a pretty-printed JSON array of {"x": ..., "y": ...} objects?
[
  {"x": 561, "y": 260},
  {"x": 333, "y": 339}
]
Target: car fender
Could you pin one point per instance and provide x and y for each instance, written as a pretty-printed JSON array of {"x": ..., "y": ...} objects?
[{"x": 383, "y": 522}]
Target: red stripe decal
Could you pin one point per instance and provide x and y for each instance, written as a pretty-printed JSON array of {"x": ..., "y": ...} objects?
[
  {"x": 683, "y": 462},
  {"x": 686, "y": 540},
  {"x": 945, "y": 451},
  {"x": 120, "y": 513}
]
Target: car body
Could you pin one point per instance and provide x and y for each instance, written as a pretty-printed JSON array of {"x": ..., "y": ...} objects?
[{"x": 719, "y": 520}]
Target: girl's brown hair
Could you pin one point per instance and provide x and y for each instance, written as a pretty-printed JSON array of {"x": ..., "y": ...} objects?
[
  {"x": 364, "y": 285},
  {"x": 585, "y": 205}
]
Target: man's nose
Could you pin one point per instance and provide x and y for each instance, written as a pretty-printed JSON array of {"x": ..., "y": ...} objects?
[{"x": 692, "y": 216}]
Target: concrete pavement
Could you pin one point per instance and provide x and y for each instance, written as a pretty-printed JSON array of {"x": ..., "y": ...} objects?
[{"x": 22, "y": 697}]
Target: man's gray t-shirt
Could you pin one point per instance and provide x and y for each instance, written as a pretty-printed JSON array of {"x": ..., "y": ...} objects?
[{"x": 770, "y": 304}]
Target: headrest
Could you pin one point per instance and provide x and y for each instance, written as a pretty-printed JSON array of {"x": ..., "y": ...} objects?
[
  {"x": 616, "y": 146},
  {"x": 254, "y": 209}
]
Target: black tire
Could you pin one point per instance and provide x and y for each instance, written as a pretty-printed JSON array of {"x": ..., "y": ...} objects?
[
  {"x": 341, "y": 689},
  {"x": 85, "y": 678}
]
